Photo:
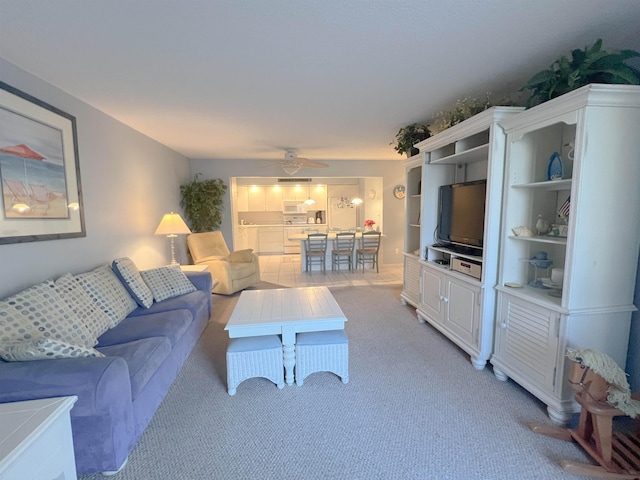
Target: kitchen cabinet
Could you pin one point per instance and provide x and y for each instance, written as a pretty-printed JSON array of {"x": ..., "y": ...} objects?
[
  {"x": 594, "y": 129},
  {"x": 273, "y": 198},
  {"x": 294, "y": 192},
  {"x": 242, "y": 199},
  {"x": 256, "y": 198},
  {"x": 319, "y": 194},
  {"x": 270, "y": 239}
]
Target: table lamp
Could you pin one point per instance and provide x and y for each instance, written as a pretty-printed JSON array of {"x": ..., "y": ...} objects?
[{"x": 172, "y": 225}]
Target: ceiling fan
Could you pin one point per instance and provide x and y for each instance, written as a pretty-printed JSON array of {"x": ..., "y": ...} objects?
[{"x": 292, "y": 163}]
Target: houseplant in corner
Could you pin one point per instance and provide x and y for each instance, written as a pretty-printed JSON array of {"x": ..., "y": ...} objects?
[
  {"x": 408, "y": 136},
  {"x": 203, "y": 202},
  {"x": 582, "y": 67}
]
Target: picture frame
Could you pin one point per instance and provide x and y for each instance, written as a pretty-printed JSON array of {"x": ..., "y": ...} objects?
[{"x": 40, "y": 188}]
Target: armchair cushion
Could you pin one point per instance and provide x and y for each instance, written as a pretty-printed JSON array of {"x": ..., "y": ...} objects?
[{"x": 240, "y": 256}]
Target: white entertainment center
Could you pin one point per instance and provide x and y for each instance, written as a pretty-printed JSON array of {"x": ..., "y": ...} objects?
[{"x": 540, "y": 214}]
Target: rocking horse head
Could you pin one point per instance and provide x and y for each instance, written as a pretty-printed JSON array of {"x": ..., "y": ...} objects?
[
  {"x": 596, "y": 374},
  {"x": 584, "y": 380}
]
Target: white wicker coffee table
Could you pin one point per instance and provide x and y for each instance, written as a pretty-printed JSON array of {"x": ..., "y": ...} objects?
[{"x": 285, "y": 312}]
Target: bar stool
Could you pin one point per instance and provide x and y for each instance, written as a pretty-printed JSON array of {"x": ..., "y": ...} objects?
[
  {"x": 250, "y": 357},
  {"x": 343, "y": 250},
  {"x": 326, "y": 351},
  {"x": 316, "y": 250},
  {"x": 368, "y": 251}
]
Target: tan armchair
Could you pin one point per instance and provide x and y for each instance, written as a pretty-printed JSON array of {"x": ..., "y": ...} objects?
[{"x": 234, "y": 271}]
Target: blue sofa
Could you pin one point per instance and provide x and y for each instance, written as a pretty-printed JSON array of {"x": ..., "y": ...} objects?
[{"x": 118, "y": 393}]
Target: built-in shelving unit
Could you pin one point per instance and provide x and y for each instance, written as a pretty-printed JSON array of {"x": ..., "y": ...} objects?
[
  {"x": 412, "y": 232},
  {"x": 595, "y": 131},
  {"x": 459, "y": 304}
]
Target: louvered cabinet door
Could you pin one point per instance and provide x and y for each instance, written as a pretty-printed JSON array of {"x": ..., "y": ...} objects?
[{"x": 527, "y": 342}]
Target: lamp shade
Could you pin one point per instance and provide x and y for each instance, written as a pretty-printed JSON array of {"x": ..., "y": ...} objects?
[{"x": 172, "y": 224}]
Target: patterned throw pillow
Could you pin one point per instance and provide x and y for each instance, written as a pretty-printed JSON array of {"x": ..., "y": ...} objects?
[
  {"x": 128, "y": 274},
  {"x": 43, "y": 349},
  {"x": 40, "y": 311},
  {"x": 108, "y": 293},
  {"x": 167, "y": 282},
  {"x": 79, "y": 301}
]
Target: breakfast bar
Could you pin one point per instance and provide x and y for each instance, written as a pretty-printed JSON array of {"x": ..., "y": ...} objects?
[{"x": 331, "y": 236}]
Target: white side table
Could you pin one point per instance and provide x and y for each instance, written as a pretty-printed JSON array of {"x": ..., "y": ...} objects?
[
  {"x": 36, "y": 441},
  {"x": 193, "y": 268}
]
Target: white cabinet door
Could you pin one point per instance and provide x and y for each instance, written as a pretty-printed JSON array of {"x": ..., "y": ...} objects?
[
  {"x": 297, "y": 193},
  {"x": 411, "y": 284},
  {"x": 256, "y": 198},
  {"x": 462, "y": 308},
  {"x": 273, "y": 199},
  {"x": 319, "y": 194},
  {"x": 432, "y": 299},
  {"x": 242, "y": 200},
  {"x": 527, "y": 340},
  {"x": 252, "y": 238},
  {"x": 270, "y": 240}
]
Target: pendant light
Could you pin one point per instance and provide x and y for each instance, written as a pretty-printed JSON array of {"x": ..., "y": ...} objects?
[{"x": 309, "y": 201}]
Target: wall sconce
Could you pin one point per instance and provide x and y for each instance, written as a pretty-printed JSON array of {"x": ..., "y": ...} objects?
[{"x": 172, "y": 225}]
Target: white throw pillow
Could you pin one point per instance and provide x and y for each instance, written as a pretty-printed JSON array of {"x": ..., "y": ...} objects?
[
  {"x": 44, "y": 349},
  {"x": 40, "y": 311},
  {"x": 167, "y": 282},
  {"x": 96, "y": 321},
  {"x": 128, "y": 274},
  {"x": 108, "y": 293}
]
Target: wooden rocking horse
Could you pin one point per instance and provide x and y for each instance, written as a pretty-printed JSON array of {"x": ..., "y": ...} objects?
[{"x": 603, "y": 393}]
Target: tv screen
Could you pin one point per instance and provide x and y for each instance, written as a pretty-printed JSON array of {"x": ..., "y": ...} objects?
[{"x": 461, "y": 213}]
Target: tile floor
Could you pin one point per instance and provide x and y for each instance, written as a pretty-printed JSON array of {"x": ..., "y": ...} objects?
[{"x": 286, "y": 270}]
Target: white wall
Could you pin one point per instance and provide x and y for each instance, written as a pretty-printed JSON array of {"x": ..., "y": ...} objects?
[
  {"x": 392, "y": 173},
  {"x": 128, "y": 181}
]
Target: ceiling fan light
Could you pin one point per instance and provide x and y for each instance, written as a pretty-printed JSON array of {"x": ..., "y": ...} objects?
[{"x": 291, "y": 169}]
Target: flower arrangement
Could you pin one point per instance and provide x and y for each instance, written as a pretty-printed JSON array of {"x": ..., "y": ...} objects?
[{"x": 369, "y": 223}]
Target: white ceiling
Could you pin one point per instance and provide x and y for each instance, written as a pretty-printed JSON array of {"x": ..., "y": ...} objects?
[{"x": 335, "y": 79}]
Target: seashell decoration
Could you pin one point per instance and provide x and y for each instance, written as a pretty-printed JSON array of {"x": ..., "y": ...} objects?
[{"x": 522, "y": 231}]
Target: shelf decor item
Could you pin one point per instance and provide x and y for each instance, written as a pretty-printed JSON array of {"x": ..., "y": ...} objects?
[
  {"x": 582, "y": 67},
  {"x": 555, "y": 168},
  {"x": 463, "y": 109},
  {"x": 408, "y": 136}
]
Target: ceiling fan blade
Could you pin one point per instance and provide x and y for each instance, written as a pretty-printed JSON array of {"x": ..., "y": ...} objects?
[{"x": 310, "y": 163}]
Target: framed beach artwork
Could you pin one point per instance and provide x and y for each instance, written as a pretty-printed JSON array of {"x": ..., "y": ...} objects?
[{"x": 39, "y": 171}]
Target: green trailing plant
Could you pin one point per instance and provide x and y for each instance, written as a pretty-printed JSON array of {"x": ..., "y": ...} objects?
[
  {"x": 203, "y": 202},
  {"x": 408, "y": 136},
  {"x": 464, "y": 108},
  {"x": 582, "y": 67}
]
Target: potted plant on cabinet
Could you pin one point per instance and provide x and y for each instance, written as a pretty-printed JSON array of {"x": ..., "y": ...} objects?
[
  {"x": 203, "y": 202},
  {"x": 582, "y": 67},
  {"x": 408, "y": 136}
]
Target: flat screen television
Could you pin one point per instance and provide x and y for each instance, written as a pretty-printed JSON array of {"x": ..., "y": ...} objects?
[{"x": 461, "y": 214}]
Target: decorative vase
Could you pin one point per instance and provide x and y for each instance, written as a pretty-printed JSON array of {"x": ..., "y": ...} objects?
[{"x": 368, "y": 229}]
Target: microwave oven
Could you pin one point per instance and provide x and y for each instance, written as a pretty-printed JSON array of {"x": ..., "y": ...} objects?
[{"x": 293, "y": 207}]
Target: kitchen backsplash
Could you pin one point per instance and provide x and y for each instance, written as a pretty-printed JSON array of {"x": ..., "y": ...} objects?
[{"x": 274, "y": 218}]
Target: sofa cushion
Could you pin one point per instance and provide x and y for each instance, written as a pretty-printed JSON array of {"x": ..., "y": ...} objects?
[
  {"x": 128, "y": 274},
  {"x": 40, "y": 312},
  {"x": 167, "y": 282},
  {"x": 168, "y": 324},
  {"x": 108, "y": 293},
  {"x": 143, "y": 358},
  {"x": 44, "y": 349},
  {"x": 191, "y": 301},
  {"x": 79, "y": 301}
]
